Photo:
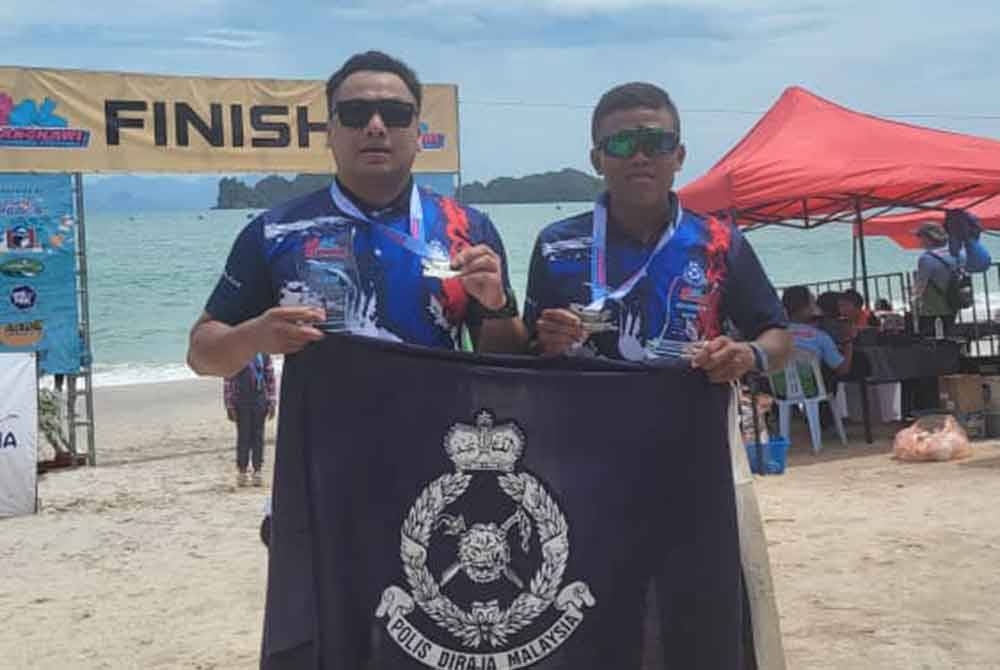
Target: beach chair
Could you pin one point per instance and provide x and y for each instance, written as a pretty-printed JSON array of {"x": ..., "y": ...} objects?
[{"x": 801, "y": 383}]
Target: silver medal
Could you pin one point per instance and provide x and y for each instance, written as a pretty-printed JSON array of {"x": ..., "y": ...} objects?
[
  {"x": 595, "y": 320},
  {"x": 438, "y": 268}
]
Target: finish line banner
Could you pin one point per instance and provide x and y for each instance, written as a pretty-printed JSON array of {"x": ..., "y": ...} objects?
[
  {"x": 38, "y": 304},
  {"x": 443, "y": 510},
  {"x": 79, "y": 121}
]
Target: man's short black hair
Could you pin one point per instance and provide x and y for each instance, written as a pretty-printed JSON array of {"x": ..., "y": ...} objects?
[
  {"x": 634, "y": 95},
  {"x": 372, "y": 61},
  {"x": 795, "y": 298},
  {"x": 829, "y": 303},
  {"x": 854, "y": 297}
]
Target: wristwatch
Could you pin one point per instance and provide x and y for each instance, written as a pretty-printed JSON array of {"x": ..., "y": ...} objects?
[
  {"x": 506, "y": 311},
  {"x": 760, "y": 362}
]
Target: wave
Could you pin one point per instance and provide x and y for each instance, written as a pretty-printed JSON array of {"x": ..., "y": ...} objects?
[{"x": 127, "y": 374}]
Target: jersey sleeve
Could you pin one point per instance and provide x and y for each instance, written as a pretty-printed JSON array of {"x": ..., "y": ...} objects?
[
  {"x": 749, "y": 298},
  {"x": 829, "y": 353},
  {"x": 244, "y": 290}
]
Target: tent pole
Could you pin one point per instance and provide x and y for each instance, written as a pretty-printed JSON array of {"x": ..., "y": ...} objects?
[
  {"x": 860, "y": 223},
  {"x": 854, "y": 258},
  {"x": 458, "y": 146}
]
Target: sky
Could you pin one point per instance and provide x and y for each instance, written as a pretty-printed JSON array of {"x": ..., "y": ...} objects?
[{"x": 530, "y": 71}]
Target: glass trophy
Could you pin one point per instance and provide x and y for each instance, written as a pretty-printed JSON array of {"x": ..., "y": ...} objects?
[
  {"x": 329, "y": 271},
  {"x": 662, "y": 346}
]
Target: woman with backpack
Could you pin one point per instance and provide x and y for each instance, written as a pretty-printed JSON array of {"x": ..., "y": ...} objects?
[{"x": 943, "y": 287}]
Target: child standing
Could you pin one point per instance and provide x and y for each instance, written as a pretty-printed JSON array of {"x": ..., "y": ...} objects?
[{"x": 250, "y": 400}]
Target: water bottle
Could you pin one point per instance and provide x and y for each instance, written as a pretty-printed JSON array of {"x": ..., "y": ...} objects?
[{"x": 938, "y": 328}]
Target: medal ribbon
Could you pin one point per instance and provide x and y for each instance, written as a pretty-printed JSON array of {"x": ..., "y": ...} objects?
[
  {"x": 599, "y": 290},
  {"x": 414, "y": 242}
]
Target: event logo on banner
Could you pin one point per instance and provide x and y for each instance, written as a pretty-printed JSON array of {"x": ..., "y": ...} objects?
[
  {"x": 29, "y": 124},
  {"x": 430, "y": 140},
  {"x": 38, "y": 304}
]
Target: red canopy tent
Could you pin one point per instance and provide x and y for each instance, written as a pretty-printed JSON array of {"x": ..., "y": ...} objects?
[{"x": 808, "y": 162}]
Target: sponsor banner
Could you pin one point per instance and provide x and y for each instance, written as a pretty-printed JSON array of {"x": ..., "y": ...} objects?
[
  {"x": 18, "y": 434},
  {"x": 79, "y": 121},
  {"x": 38, "y": 303}
]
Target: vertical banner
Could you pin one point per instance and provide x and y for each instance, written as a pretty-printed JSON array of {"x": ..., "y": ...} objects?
[
  {"x": 38, "y": 304},
  {"x": 18, "y": 434}
]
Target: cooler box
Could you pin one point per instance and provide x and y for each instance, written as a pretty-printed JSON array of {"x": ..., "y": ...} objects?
[{"x": 964, "y": 396}]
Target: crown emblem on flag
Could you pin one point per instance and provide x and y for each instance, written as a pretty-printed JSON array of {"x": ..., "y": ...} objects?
[{"x": 484, "y": 447}]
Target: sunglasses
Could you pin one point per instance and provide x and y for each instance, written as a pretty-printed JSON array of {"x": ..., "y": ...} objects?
[
  {"x": 357, "y": 113},
  {"x": 650, "y": 141}
]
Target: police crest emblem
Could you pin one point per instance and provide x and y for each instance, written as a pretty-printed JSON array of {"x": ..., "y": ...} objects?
[
  {"x": 694, "y": 274},
  {"x": 484, "y": 634}
]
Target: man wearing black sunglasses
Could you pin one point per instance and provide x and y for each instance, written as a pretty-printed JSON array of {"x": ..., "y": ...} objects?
[
  {"x": 640, "y": 277},
  {"x": 264, "y": 303}
]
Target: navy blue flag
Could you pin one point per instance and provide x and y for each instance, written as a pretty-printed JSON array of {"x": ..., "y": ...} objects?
[{"x": 444, "y": 510}]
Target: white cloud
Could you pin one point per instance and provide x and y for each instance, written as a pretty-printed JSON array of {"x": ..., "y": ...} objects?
[
  {"x": 607, "y": 6},
  {"x": 74, "y": 13},
  {"x": 229, "y": 38},
  {"x": 556, "y": 6}
]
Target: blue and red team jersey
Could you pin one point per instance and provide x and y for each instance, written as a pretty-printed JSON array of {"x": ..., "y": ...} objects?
[
  {"x": 395, "y": 300},
  {"x": 705, "y": 275}
]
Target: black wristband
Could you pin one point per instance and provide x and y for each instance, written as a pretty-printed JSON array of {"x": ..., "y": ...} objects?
[
  {"x": 507, "y": 311},
  {"x": 760, "y": 361}
]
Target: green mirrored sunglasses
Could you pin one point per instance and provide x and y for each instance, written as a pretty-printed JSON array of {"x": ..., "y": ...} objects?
[{"x": 650, "y": 141}]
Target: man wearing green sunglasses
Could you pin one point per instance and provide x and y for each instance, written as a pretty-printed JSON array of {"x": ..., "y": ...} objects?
[{"x": 640, "y": 277}]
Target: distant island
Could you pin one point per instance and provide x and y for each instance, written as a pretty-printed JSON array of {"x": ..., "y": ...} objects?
[{"x": 567, "y": 185}]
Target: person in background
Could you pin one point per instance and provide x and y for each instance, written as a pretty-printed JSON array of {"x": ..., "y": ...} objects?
[
  {"x": 831, "y": 320},
  {"x": 803, "y": 316},
  {"x": 250, "y": 400},
  {"x": 888, "y": 319},
  {"x": 852, "y": 307},
  {"x": 52, "y": 426},
  {"x": 936, "y": 268}
]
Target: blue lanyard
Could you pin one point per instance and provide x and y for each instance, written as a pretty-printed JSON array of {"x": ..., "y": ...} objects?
[
  {"x": 414, "y": 242},
  {"x": 258, "y": 371},
  {"x": 599, "y": 289}
]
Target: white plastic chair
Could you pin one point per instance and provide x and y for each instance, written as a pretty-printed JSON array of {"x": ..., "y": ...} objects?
[{"x": 795, "y": 379}]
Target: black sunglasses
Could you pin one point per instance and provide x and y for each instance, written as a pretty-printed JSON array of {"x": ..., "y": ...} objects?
[
  {"x": 650, "y": 141},
  {"x": 357, "y": 113}
]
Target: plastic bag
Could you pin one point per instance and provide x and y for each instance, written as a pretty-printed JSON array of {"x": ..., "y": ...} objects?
[{"x": 932, "y": 438}]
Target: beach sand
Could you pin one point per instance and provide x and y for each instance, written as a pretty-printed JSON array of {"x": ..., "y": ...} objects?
[{"x": 152, "y": 559}]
